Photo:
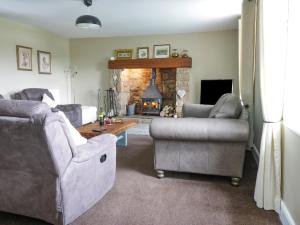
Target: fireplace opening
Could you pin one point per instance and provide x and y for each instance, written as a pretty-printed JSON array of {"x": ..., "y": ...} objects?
[
  {"x": 151, "y": 106},
  {"x": 152, "y": 99},
  {"x": 131, "y": 85}
]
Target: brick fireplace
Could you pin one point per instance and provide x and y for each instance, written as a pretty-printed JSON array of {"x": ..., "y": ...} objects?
[{"x": 131, "y": 82}]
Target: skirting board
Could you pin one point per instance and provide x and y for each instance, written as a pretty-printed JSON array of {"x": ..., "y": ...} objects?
[
  {"x": 285, "y": 216},
  {"x": 255, "y": 153}
]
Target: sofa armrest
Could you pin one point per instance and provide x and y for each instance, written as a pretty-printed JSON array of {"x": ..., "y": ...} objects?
[
  {"x": 196, "y": 110},
  {"x": 73, "y": 112},
  {"x": 200, "y": 129},
  {"x": 94, "y": 147}
]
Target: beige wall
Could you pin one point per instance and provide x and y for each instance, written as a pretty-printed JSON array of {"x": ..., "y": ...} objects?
[
  {"x": 215, "y": 56},
  {"x": 11, "y": 79},
  {"x": 290, "y": 172}
]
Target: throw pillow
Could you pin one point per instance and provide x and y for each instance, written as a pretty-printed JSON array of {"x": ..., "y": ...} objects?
[
  {"x": 228, "y": 106},
  {"x": 77, "y": 138},
  {"x": 217, "y": 106},
  {"x": 46, "y": 99}
]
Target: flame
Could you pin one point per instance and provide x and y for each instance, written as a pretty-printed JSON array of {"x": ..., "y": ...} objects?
[{"x": 154, "y": 105}]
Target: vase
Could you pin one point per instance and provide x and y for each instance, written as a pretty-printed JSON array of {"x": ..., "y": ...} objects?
[
  {"x": 184, "y": 54},
  {"x": 175, "y": 53}
]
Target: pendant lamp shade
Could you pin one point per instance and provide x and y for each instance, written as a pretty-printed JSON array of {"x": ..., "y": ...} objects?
[{"x": 88, "y": 21}]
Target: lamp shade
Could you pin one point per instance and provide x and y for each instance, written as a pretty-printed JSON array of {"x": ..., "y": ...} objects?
[{"x": 88, "y": 21}]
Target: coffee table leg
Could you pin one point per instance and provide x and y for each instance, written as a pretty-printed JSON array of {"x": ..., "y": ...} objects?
[{"x": 122, "y": 139}]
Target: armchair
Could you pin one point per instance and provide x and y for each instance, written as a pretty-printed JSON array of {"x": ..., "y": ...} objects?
[
  {"x": 43, "y": 174},
  {"x": 199, "y": 144},
  {"x": 73, "y": 111}
]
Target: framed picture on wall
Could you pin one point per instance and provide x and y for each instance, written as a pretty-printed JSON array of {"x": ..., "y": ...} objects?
[
  {"x": 123, "y": 53},
  {"x": 143, "y": 52},
  {"x": 44, "y": 62},
  {"x": 24, "y": 58},
  {"x": 161, "y": 51}
]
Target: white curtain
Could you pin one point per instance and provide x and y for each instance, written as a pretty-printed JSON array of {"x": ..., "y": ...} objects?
[
  {"x": 247, "y": 59},
  {"x": 272, "y": 17}
]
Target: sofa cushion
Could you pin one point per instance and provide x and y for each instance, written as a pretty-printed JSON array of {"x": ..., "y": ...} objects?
[
  {"x": 228, "y": 106},
  {"x": 49, "y": 101},
  {"x": 196, "y": 110},
  {"x": 75, "y": 135},
  {"x": 73, "y": 113},
  {"x": 33, "y": 94},
  {"x": 23, "y": 109}
]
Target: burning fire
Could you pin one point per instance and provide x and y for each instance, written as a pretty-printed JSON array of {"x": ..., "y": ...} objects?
[{"x": 153, "y": 105}]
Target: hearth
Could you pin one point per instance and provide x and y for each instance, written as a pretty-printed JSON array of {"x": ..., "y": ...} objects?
[{"x": 152, "y": 99}]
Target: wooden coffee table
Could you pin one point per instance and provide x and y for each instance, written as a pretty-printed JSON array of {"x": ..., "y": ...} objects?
[{"x": 118, "y": 129}]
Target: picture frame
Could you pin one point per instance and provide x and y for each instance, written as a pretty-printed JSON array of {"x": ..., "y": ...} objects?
[
  {"x": 142, "y": 53},
  {"x": 44, "y": 62},
  {"x": 123, "y": 54},
  {"x": 161, "y": 51},
  {"x": 24, "y": 58}
]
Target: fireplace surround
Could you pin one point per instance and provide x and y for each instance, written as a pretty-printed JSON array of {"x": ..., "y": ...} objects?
[{"x": 131, "y": 78}]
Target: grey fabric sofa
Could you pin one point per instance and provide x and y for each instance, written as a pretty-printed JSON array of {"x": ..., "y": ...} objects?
[
  {"x": 199, "y": 144},
  {"x": 72, "y": 111},
  {"x": 42, "y": 174}
]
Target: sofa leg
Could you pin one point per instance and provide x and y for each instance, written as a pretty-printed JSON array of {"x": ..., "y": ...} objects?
[
  {"x": 235, "y": 181},
  {"x": 160, "y": 173}
]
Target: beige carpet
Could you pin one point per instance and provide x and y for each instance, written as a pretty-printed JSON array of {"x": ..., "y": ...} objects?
[{"x": 139, "y": 198}]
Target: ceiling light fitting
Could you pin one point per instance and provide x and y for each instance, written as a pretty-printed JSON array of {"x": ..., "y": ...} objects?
[{"x": 88, "y": 21}]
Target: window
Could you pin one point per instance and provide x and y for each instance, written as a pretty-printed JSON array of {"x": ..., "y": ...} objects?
[{"x": 291, "y": 113}]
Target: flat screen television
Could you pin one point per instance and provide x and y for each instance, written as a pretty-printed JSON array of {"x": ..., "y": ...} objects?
[{"x": 212, "y": 90}]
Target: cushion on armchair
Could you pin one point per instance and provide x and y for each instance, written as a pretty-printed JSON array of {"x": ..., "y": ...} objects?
[
  {"x": 77, "y": 138},
  {"x": 49, "y": 101},
  {"x": 228, "y": 106},
  {"x": 73, "y": 112},
  {"x": 196, "y": 110}
]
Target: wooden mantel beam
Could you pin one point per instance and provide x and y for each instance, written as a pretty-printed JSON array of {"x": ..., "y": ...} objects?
[{"x": 150, "y": 63}]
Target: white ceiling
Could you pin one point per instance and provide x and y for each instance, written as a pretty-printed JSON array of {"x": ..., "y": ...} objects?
[{"x": 125, "y": 17}]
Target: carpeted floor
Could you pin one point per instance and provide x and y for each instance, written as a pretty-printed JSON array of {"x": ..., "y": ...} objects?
[{"x": 139, "y": 198}]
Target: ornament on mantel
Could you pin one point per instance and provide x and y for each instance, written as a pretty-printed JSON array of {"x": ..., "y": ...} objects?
[
  {"x": 175, "y": 53},
  {"x": 184, "y": 54},
  {"x": 181, "y": 93}
]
